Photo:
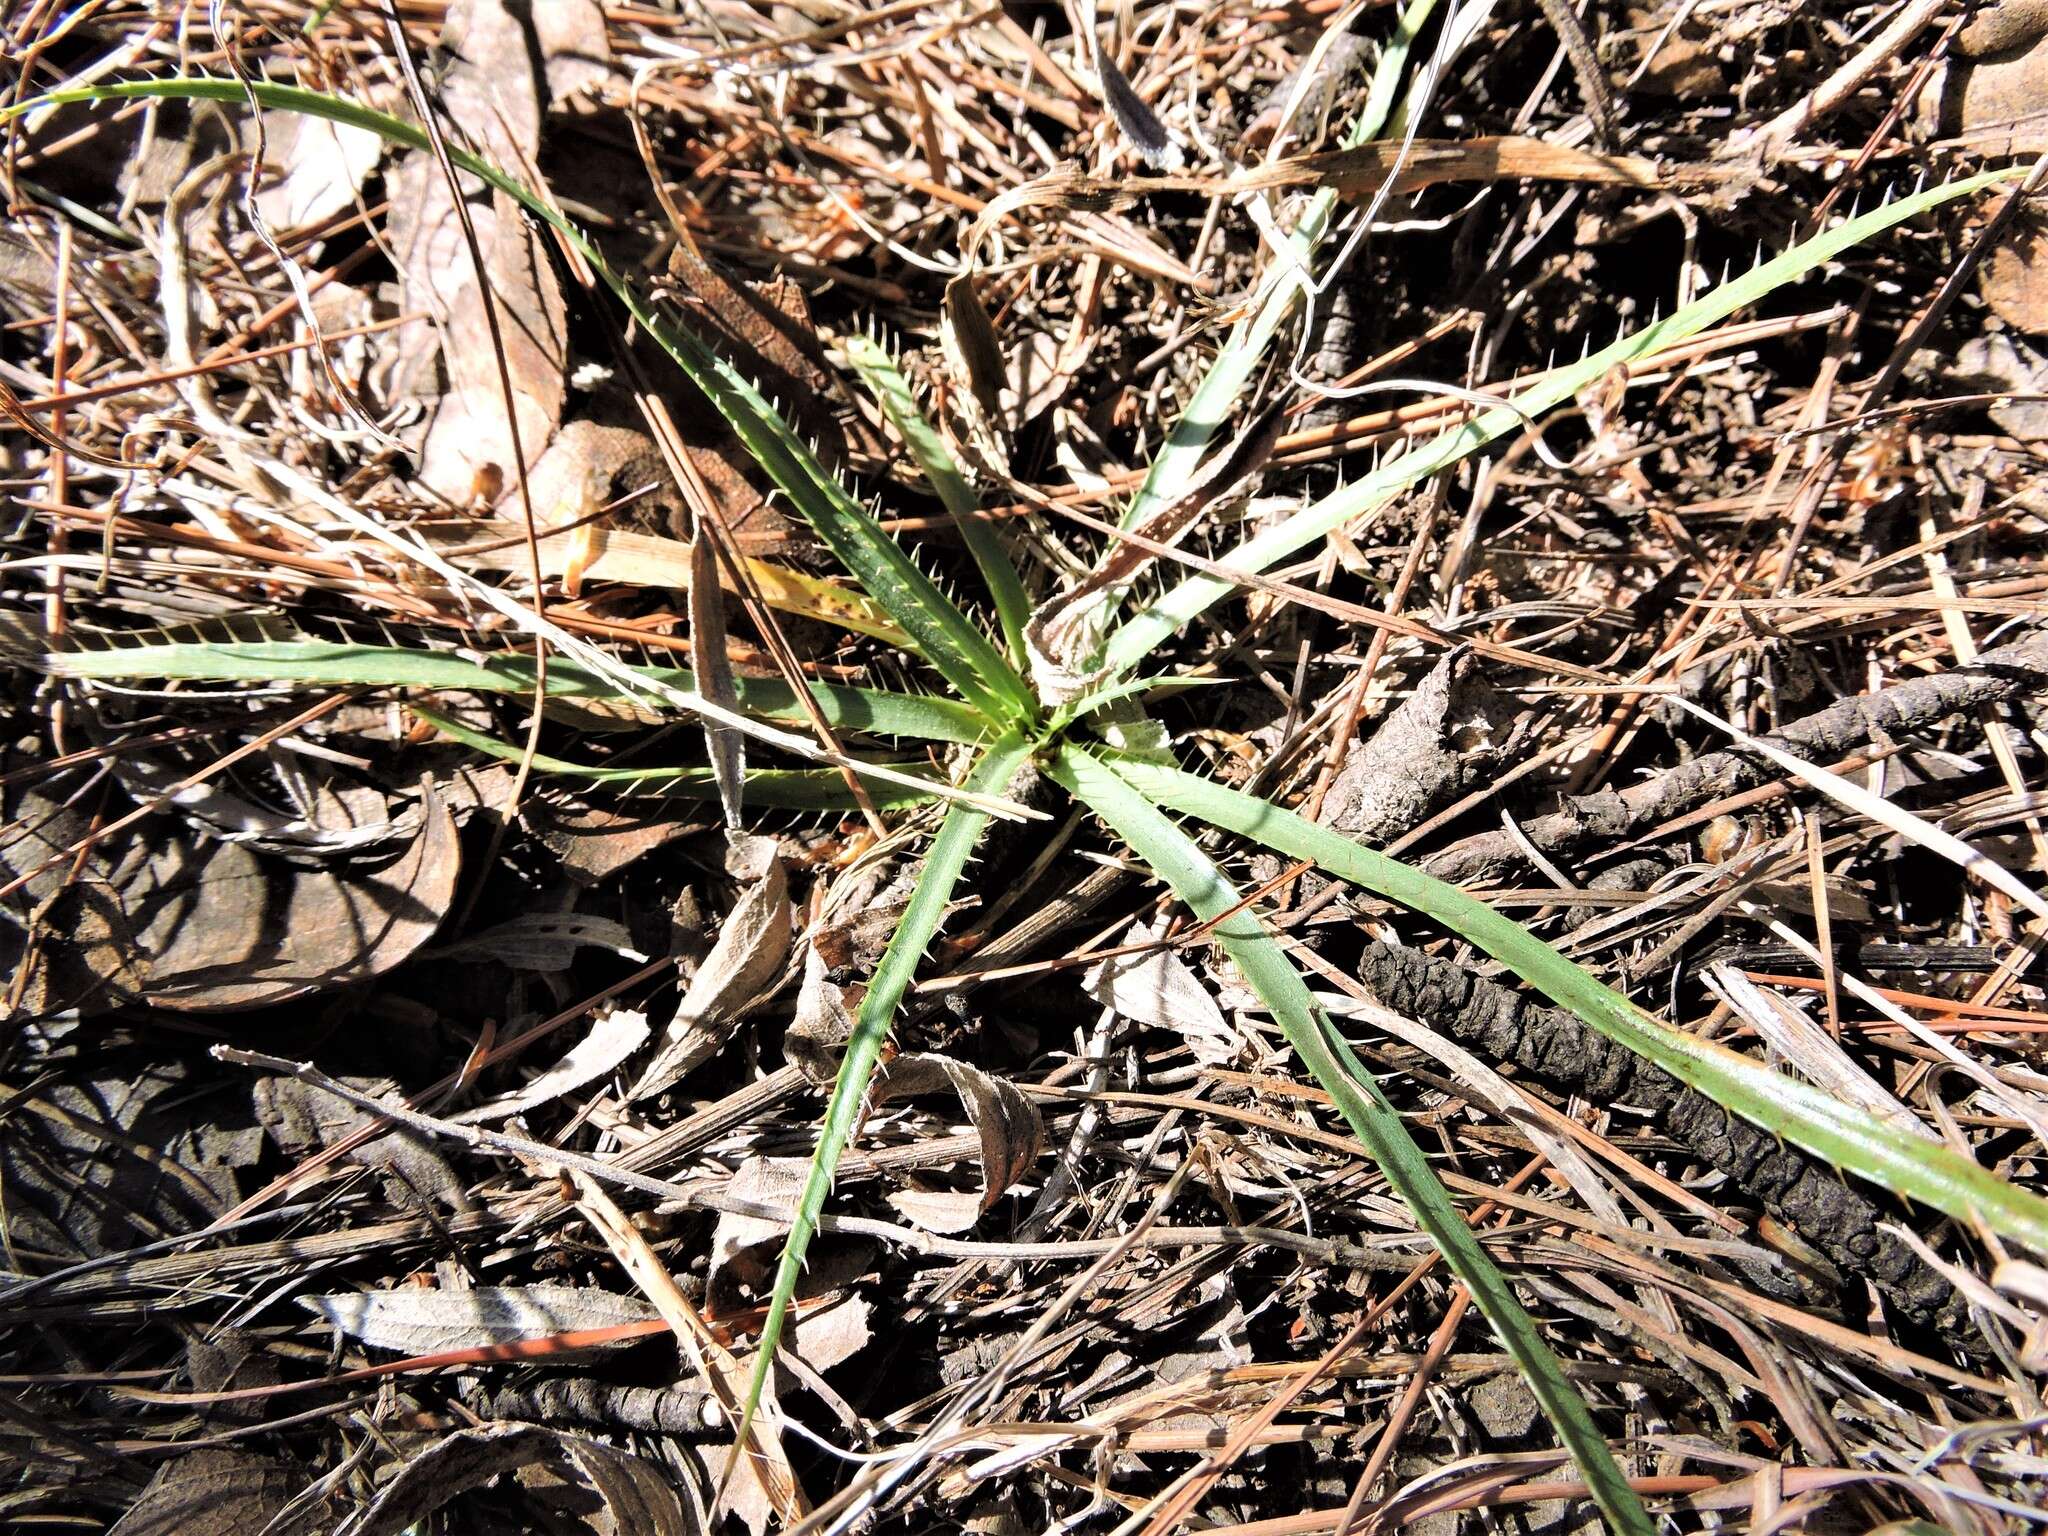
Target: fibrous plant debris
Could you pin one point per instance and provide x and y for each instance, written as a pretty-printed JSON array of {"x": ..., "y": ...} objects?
[{"x": 420, "y": 1042}]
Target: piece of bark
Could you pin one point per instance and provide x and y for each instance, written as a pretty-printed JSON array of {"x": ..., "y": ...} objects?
[
  {"x": 1442, "y": 742},
  {"x": 687, "y": 1411},
  {"x": 1610, "y": 816},
  {"x": 1556, "y": 1047}
]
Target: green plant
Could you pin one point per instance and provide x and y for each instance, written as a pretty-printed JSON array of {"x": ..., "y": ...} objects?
[{"x": 1081, "y": 742}]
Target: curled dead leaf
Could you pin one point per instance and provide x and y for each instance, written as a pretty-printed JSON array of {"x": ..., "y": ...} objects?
[
  {"x": 752, "y": 946},
  {"x": 614, "y": 1037},
  {"x": 817, "y": 1035},
  {"x": 470, "y": 1458},
  {"x": 195, "y": 925},
  {"x": 1159, "y": 989},
  {"x": 1007, "y": 1123},
  {"x": 219, "y": 1492}
]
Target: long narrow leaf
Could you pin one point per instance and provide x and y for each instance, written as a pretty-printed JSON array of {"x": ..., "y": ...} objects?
[
  {"x": 1152, "y": 627},
  {"x": 1243, "y": 353},
  {"x": 891, "y": 390},
  {"x": 958, "y": 834},
  {"x": 1803, "y": 1115},
  {"x": 1198, "y": 883},
  {"x": 868, "y": 711},
  {"x": 786, "y": 789},
  {"x": 945, "y": 636}
]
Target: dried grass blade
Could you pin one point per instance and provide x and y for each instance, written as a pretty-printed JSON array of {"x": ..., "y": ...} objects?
[
  {"x": 759, "y": 1446},
  {"x": 1874, "y": 807}
]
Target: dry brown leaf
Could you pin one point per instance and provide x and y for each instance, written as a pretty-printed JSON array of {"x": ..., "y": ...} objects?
[
  {"x": 490, "y": 90},
  {"x": 323, "y": 164},
  {"x": 638, "y": 1500},
  {"x": 1007, "y": 1123},
  {"x": 471, "y": 1458},
  {"x": 575, "y": 50},
  {"x": 825, "y": 1336},
  {"x": 593, "y": 843},
  {"x": 1160, "y": 989},
  {"x": 1992, "y": 95},
  {"x": 2014, "y": 278},
  {"x": 93, "y": 1160},
  {"x": 420, "y": 1322},
  {"x": 202, "y": 926},
  {"x": 222, "y": 1493},
  {"x": 2006, "y": 363},
  {"x": 752, "y": 945},
  {"x": 974, "y": 356},
  {"x": 817, "y": 1035},
  {"x": 302, "y": 1120},
  {"x": 1686, "y": 63},
  {"x": 747, "y": 1244},
  {"x": 616, "y": 1035},
  {"x": 245, "y": 931},
  {"x": 767, "y": 328}
]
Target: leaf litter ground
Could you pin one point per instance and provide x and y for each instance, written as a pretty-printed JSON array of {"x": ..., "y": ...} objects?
[{"x": 1099, "y": 1255}]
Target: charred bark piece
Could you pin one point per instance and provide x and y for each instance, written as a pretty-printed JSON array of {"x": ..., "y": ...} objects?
[
  {"x": 1445, "y": 739},
  {"x": 1553, "y": 1045},
  {"x": 1609, "y": 816},
  {"x": 686, "y": 1412}
]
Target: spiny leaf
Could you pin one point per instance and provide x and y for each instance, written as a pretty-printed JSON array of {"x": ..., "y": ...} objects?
[
  {"x": 787, "y": 789},
  {"x": 1787, "y": 1107},
  {"x": 945, "y": 636},
  {"x": 1116, "y": 795},
  {"x": 958, "y": 833},
  {"x": 869, "y": 711},
  {"x": 1147, "y": 630},
  {"x": 1243, "y": 353},
  {"x": 892, "y": 392}
]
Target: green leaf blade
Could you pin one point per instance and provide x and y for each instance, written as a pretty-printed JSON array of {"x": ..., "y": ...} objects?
[
  {"x": 1146, "y": 630},
  {"x": 891, "y": 390},
  {"x": 782, "y": 789},
  {"x": 1173, "y": 856},
  {"x": 958, "y": 834},
  {"x": 868, "y": 711},
  {"x": 941, "y": 633},
  {"x": 1814, "y": 1121}
]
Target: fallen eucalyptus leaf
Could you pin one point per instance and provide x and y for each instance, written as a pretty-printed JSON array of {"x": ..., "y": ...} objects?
[
  {"x": 191, "y": 924},
  {"x": 1159, "y": 989},
  {"x": 817, "y": 1035},
  {"x": 449, "y": 358},
  {"x": 218, "y": 1492},
  {"x": 417, "y": 1322},
  {"x": 613, "y": 1038},
  {"x": 752, "y": 946},
  {"x": 542, "y": 941},
  {"x": 1007, "y": 1123},
  {"x": 637, "y": 1497}
]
